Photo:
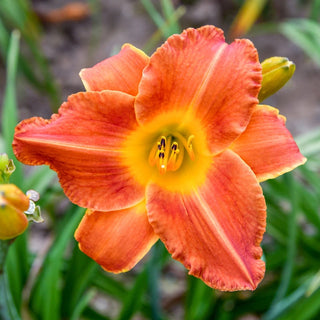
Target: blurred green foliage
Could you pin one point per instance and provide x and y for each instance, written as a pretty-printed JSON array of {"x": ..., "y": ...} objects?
[
  {"x": 62, "y": 283},
  {"x": 18, "y": 15},
  {"x": 306, "y": 34}
]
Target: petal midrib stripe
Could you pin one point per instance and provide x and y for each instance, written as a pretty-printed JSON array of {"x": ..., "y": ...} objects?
[
  {"x": 70, "y": 145},
  {"x": 222, "y": 237},
  {"x": 205, "y": 80}
]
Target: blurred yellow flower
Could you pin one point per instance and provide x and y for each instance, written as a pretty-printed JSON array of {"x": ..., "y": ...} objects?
[{"x": 13, "y": 203}]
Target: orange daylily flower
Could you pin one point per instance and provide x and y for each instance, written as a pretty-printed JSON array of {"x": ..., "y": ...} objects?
[{"x": 172, "y": 147}]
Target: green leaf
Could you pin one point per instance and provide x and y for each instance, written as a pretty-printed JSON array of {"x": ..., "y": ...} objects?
[
  {"x": 17, "y": 262},
  {"x": 306, "y": 308},
  {"x": 81, "y": 305},
  {"x": 40, "y": 179},
  {"x": 200, "y": 300},
  {"x": 133, "y": 299},
  {"x": 153, "y": 13},
  {"x": 46, "y": 294},
  {"x": 305, "y": 34},
  {"x": 19, "y": 15},
  {"x": 18, "y": 266},
  {"x": 109, "y": 285},
  {"x": 298, "y": 305},
  {"x": 168, "y": 24},
  {"x": 153, "y": 270},
  {"x": 8, "y": 309},
  {"x": 315, "y": 10},
  {"x": 9, "y": 112},
  {"x": 168, "y": 12},
  {"x": 91, "y": 314},
  {"x": 81, "y": 270},
  {"x": 159, "y": 34}
]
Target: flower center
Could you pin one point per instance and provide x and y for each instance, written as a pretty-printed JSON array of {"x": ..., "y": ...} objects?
[{"x": 168, "y": 152}]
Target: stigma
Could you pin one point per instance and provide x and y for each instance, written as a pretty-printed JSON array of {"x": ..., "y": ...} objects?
[{"x": 168, "y": 152}]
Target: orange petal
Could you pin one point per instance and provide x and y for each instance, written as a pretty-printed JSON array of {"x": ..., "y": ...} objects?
[
  {"x": 84, "y": 145},
  {"x": 117, "y": 240},
  {"x": 216, "y": 230},
  {"x": 199, "y": 72},
  {"x": 121, "y": 72},
  {"x": 267, "y": 146}
]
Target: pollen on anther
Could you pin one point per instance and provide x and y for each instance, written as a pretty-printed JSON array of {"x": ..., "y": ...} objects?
[
  {"x": 174, "y": 146},
  {"x": 163, "y": 142}
]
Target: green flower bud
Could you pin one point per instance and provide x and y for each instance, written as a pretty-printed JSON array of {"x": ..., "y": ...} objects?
[
  {"x": 276, "y": 71},
  {"x": 7, "y": 167}
]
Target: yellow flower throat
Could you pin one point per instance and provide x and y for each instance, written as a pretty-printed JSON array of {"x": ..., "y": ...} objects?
[
  {"x": 167, "y": 154},
  {"x": 170, "y": 151}
]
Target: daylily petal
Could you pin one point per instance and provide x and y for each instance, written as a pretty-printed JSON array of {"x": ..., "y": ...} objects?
[
  {"x": 83, "y": 143},
  {"x": 267, "y": 146},
  {"x": 199, "y": 72},
  {"x": 121, "y": 72},
  {"x": 216, "y": 230},
  {"x": 117, "y": 240}
]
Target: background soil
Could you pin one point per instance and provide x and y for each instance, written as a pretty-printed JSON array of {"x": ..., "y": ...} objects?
[{"x": 73, "y": 45}]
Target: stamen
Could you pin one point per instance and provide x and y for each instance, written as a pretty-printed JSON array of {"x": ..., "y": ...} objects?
[
  {"x": 190, "y": 149},
  {"x": 189, "y": 141},
  {"x": 154, "y": 153},
  {"x": 176, "y": 157},
  {"x": 163, "y": 142},
  {"x": 186, "y": 143},
  {"x": 170, "y": 158},
  {"x": 174, "y": 146}
]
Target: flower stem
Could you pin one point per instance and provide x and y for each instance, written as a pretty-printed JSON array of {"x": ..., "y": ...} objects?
[{"x": 8, "y": 310}]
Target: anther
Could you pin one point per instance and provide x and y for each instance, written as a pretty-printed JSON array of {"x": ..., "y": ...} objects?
[
  {"x": 163, "y": 142},
  {"x": 174, "y": 146}
]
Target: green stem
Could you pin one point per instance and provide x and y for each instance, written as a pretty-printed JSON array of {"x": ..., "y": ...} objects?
[{"x": 7, "y": 308}]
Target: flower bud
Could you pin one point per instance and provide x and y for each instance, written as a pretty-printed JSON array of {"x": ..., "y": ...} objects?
[
  {"x": 276, "y": 71},
  {"x": 7, "y": 167},
  {"x": 13, "y": 203}
]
